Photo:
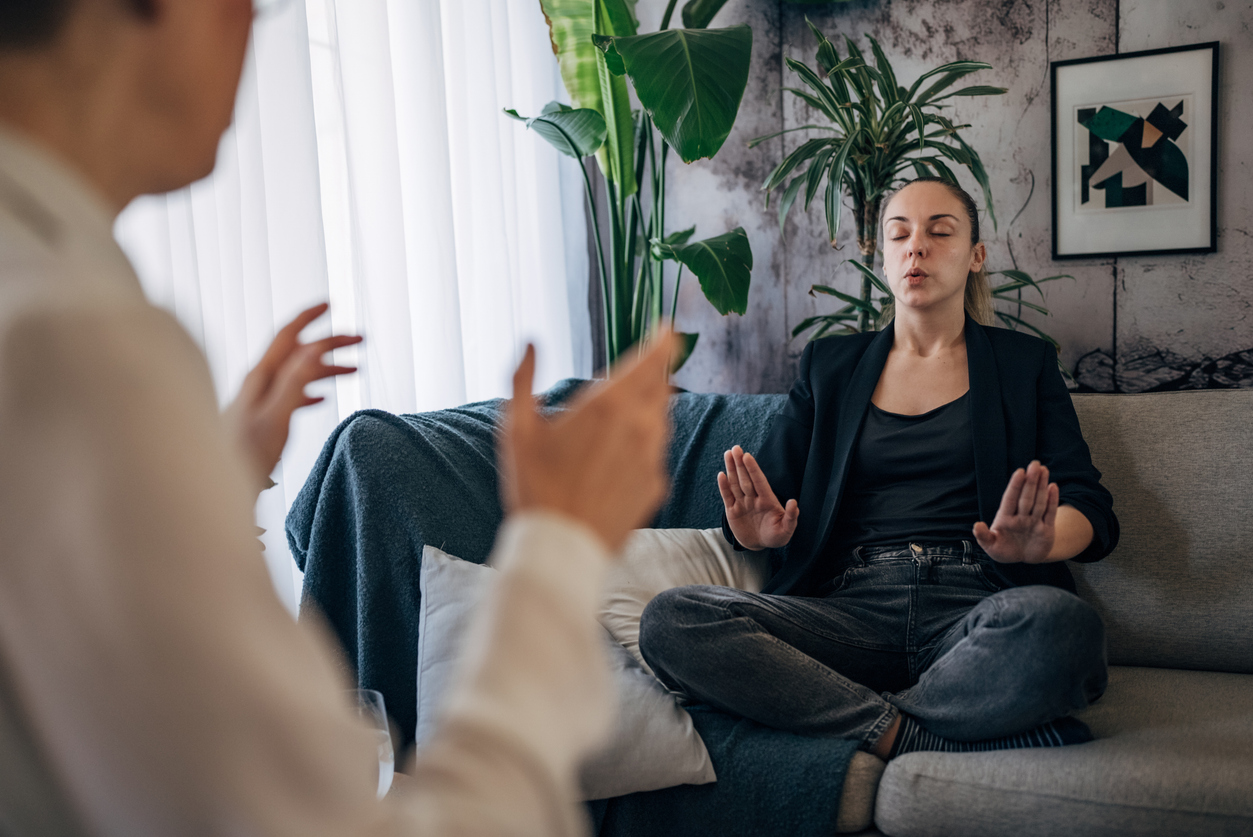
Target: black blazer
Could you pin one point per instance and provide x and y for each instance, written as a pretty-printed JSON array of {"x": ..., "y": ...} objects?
[{"x": 1019, "y": 410}]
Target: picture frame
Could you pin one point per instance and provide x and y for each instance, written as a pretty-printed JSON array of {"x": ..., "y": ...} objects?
[{"x": 1135, "y": 153}]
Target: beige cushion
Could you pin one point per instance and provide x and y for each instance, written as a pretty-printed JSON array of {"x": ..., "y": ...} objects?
[
  {"x": 654, "y": 744},
  {"x": 1178, "y": 590},
  {"x": 659, "y": 559},
  {"x": 1173, "y": 756}
]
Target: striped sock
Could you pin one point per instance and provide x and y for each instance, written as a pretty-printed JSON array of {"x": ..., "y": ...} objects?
[{"x": 911, "y": 737}]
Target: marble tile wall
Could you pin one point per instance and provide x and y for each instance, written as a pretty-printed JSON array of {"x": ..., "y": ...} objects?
[{"x": 1169, "y": 311}]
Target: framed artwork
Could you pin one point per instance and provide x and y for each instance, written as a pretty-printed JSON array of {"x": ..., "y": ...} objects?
[{"x": 1135, "y": 140}]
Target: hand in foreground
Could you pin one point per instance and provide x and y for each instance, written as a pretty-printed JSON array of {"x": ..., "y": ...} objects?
[
  {"x": 602, "y": 462},
  {"x": 260, "y": 416},
  {"x": 756, "y": 517},
  {"x": 1024, "y": 528}
]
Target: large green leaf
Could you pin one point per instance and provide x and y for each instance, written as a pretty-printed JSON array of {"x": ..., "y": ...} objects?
[
  {"x": 686, "y": 347},
  {"x": 723, "y": 264},
  {"x": 690, "y": 81},
  {"x": 571, "y": 24},
  {"x": 610, "y": 20},
  {"x": 576, "y": 132},
  {"x": 698, "y": 13}
]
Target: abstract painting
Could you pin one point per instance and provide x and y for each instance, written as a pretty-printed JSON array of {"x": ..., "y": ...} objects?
[
  {"x": 1134, "y": 168},
  {"x": 1133, "y": 159}
]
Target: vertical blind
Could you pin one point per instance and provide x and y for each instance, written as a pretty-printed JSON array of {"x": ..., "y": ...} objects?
[{"x": 370, "y": 164}]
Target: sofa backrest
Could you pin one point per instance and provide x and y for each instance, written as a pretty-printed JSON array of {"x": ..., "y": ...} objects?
[{"x": 1178, "y": 590}]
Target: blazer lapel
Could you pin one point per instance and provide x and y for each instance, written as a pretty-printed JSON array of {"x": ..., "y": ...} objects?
[
  {"x": 987, "y": 420},
  {"x": 861, "y": 387}
]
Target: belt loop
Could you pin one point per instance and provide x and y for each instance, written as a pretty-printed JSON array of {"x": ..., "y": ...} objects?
[
  {"x": 857, "y": 559},
  {"x": 968, "y": 556}
]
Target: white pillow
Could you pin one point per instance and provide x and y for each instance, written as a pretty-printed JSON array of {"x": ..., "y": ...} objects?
[
  {"x": 658, "y": 559},
  {"x": 654, "y": 745}
]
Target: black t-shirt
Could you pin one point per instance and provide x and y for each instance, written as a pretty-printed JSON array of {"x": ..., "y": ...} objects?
[{"x": 912, "y": 479}]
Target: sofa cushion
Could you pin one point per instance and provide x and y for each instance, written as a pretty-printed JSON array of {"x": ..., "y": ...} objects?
[
  {"x": 1171, "y": 757},
  {"x": 1178, "y": 590},
  {"x": 654, "y": 744},
  {"x": 659, "y": 559}
]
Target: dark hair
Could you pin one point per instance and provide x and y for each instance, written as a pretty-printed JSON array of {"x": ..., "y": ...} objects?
[
  {"x": 31, "y": 23},
  {"x": 978, "y": 297}
]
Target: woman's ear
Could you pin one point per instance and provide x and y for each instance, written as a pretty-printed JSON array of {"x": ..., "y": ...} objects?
[{"x": 977, "y": 257}]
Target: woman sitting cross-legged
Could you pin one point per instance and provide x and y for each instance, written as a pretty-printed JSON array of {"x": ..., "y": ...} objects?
[{"x": 928, "y": 482}]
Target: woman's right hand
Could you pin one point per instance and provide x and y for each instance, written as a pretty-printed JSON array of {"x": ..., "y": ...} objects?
[{"x": 757, "y": 518}]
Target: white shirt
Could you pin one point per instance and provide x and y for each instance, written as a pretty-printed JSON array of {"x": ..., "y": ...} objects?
[{"x": 151, "y": 683}]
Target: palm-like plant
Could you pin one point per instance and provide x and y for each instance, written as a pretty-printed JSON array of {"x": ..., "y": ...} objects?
[{"x": 880, "y": 132}]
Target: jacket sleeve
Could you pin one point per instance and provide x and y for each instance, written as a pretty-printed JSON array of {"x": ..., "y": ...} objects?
[
  {"x": 1060, "y": 447},
  {"x": 786, "y": 448}
]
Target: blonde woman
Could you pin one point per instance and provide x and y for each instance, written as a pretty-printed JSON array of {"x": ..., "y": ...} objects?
[{"x": 929, "y": 482}]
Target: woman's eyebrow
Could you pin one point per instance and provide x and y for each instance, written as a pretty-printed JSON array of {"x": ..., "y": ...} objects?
[{"x": 933, "y": 217}]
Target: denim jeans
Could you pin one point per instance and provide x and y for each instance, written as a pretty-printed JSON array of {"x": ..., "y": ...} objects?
[{"x": 922, "y": 629}]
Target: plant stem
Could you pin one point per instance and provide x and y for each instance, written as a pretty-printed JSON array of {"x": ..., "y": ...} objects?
[
  {"x": 615, "y": 276},
  {"x": 863, "y": 318},
  {"x": 665, "y": 19},
  {"x": 659, "y": 213},
  {"x": 867, "y": 244},
  {"x": 600, "y": 256},
  {"x": 674, "y": 306}
]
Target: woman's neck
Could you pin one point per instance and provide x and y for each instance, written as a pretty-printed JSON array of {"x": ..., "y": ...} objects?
[{"x": 928, "y": 333}]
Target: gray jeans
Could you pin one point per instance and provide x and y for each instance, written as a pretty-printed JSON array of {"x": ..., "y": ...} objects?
[{"x": 926, "y": 630}]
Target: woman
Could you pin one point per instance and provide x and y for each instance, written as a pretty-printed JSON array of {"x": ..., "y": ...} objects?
[{"x": 927, "y": 482}]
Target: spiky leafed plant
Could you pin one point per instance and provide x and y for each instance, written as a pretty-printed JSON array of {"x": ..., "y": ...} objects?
[{"x": 880, "y": 130}]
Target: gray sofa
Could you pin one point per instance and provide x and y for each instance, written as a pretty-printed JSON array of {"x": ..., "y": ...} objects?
[{"x": 1174, "y": 748}]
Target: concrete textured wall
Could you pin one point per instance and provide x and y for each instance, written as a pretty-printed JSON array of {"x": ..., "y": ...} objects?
[{"x": 1163, "y": 321}]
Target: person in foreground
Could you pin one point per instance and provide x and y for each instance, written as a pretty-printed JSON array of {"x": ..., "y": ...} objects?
[
  {"x": 151, "y": 683},
  {"x": 928, "y": 481}
]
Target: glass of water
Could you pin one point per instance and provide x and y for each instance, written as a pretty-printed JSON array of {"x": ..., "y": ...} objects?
[{"x": 370, "y": 707}]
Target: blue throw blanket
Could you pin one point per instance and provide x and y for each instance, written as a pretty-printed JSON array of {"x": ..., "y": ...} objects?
[{"x": 384, "y": 486}]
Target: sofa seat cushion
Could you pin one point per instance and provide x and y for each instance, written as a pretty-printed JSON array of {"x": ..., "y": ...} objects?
[{"x": 1173, "y": 756}]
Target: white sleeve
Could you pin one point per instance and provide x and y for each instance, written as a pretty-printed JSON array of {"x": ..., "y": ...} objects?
[{"x": 162, "y": 678}]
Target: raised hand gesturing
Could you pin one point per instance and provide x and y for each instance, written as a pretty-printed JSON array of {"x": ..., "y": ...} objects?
[
  {"x": 1023, "y": 530},
  {"x": 757, "y": 518}
]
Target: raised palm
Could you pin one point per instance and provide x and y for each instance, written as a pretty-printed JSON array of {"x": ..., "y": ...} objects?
[
  {"x": 1024, "y": 528},
  {"x": 756, "y": 517}
]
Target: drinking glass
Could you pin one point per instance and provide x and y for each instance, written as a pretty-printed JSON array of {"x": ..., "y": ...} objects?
[{"x": 370, "y": 707}]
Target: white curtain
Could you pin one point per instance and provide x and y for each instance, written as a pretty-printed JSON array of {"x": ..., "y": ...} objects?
[{"x": 370, "y": 165}]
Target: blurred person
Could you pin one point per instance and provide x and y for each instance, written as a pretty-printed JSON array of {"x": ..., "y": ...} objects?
[{"x": 151, "y": 683}]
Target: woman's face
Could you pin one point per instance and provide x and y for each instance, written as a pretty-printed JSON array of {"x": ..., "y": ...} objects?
[{"x": 926, "y": 248}]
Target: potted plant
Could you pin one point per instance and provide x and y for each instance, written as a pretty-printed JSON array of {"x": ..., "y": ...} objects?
[
  {"x": 881, "y": 132},
  {"x": 689, "y": 83}
]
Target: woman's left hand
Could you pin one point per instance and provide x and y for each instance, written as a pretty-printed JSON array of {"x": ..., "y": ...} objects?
[
  {"x": 1024, "y": 528},
  {"x": 261, "y": 414}
]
